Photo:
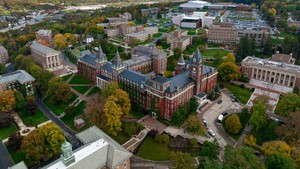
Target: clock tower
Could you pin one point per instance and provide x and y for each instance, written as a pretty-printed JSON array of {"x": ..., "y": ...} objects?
[{"x": 196, "y": 70}]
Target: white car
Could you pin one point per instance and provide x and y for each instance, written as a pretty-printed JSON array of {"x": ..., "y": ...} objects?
[
  {"x": 274, "y": 118},
  {"x": 210, "y": 132},
  {"x": 204, "y": 120}
]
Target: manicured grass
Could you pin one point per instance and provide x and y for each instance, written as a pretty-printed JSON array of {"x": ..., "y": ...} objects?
[
  {"x": 152, "y": 150},
  {"x": 212, "y": 64},
  {"x": 35, "y": 119},
  {"x": 17, "y": 156},
  {"x": 192, "y": 32},
  {"x": 163, "y": 29},
  {"x": 157, "y": 35},
  {"x": 58, "y": 108},
  {"x": 93, "y": 91},
  {"x": 69, "y": 120},
  {"x": 81, "y": 89},
  {"x": 77, "y": 79},
  {"x": 65, "y": 78},
  {"x": 5, "y": 132},
  {"x": 241, "y": 94},
  {"x": 212, "y": 52}
]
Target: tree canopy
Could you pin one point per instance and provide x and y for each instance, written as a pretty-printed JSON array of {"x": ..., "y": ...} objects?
[
  {"x": 233, "y": 124},
  {"x": 229, "y": 71}
]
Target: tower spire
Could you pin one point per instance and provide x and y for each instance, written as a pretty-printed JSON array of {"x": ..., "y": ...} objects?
[
  {"x": 101, "y": 56},
  {"x": 67, "y": 156}
]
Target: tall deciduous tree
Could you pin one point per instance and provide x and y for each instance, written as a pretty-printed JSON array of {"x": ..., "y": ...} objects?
[
  {"x": 54, "y": 84},
  {"x": 278, "y": 161},
  {"x": 258, "y": 118},
  {"x": 32, "y": 146},
  {"x": 210, "y": 150},
  {"x": 123, "y": 101},
  {"x": 233, "y": 124},
  {"x": 229, "y": 58},
  {"x": 182, "y": 160},
  {"x": 63, "y": 93},
  {"x": 30, "y": 105},
  {"x": 7, "y": 101},
  {"x": 109, "y": 90},
  {"x": 5, "y": 119},
  {"x": 15, "y": 141},
  {"x": 229, "y": 71},
  {"x": 272, "y": 147},
  {"x": 113, "y": 114},
  {"x": 20, "y": 100},
  {"x": 194, "y": 124},
  {"x": 60, "y": 41},
  {"x": 289, "y": 102}
]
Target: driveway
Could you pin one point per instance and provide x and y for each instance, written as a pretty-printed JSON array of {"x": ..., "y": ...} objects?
[
  {"x": 69, "y": 133},
  {"x": 212, "y": 114}
]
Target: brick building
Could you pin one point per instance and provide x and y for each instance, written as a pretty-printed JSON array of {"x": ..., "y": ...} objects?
[
  {"x": 45, "y": 36},
  {"x": 223, "y": 33},
  {"x": 259, "y": 34},
  {"x": 19, "y": 80},
  {"x": 3, "y": 55},
  {"x": 281, "y": 73},
  {"x": 46, "y": 57}
]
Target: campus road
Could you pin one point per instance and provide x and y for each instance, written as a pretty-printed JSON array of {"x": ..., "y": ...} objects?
[{"x": 69, "y": 133}]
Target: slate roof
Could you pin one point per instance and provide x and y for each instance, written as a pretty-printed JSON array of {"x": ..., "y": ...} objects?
[
  {"x": 91, "y": 59},
  {"x": 100, "y": 54},
  {"x": 104, "y": 78},
  {"x": 115, "y": 154},
  {"x": 181, "y": 60},
  {"x": 207, "y": 69},
  {"x": 107, "y": 67},
  {"x": 85, "y": 52},
  {"x": 180, "y": 81},
  {"x": 150, "y": 51},
  {"x": 161, "y": 79},
  {"x": 42, "y": 49},
  {"x": 197, "y": 57},
  {"x": 133, "y": 76},
  {"x": 278, "y": 57},
  {"x": 117, "y": 59},
  {"x": 20, "y": 75}
]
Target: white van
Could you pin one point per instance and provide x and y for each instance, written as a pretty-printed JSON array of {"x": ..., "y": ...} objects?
[{"x": 220, "y": 118}]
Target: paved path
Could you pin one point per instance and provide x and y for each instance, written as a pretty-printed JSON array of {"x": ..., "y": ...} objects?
[
  {"x": 152, "y": 124},
  {"x": 69, "y": 133},
  {"x": 134, "y": 142},
  {"x": 23, "y": 129}
]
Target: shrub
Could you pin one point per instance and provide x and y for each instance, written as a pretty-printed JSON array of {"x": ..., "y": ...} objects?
[
  {"x": 152, "y": 133},
  {"x": 233, "y": 124},
  {"x": 163, "y": 138},
  {"x": 193, "y": 141}
]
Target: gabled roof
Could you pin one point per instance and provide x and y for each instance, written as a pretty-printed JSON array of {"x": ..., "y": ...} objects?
[
  {"x": 107, "y": 67},
  {"x": 91, "y": 59},
  {"x": 133, "y": 76},
  {"x": 116, "y": 153},
  {"x": 207, "y": 69},
  {"x": 101, "y": 56},
  {"x": 181, "y": 60},
  {"x": 20, "y": 75},
  {"x": 42, "y": 49},
  {"x": 179, "y": 81}
]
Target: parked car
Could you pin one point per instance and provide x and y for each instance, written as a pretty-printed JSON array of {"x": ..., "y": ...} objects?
[
  {"x": 219, "y": 102},
  {"x": 274, "y": 118},
  {"x": 210, "y": 132},
  {"x": 224, "y": 113},
  {"x": 204, "y": 120}
]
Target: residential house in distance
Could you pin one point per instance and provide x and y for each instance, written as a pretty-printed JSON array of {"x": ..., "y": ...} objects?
[
  {"x": 179, "y": 39},
  {"x": 223, "y": 33},
  {"x": 18, "y": 80},
  {"x": 279, "y": 72},
  {"x": 88, "y": 39},
  {"x": 46, "y": 57},
  {"x": 98, "y": 151},
  {"x": 3, "y": 55},
  {"x": 45, "y": 36},
  {"x": 150, "y": 11}
]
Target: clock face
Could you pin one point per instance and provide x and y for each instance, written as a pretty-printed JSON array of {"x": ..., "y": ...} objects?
[
  {"x": 194, "y": 69},
  {"x": 194, "y": 60}
]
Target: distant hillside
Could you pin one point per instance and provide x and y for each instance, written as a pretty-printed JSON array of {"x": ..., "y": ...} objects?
[{"x": 20, "y": 5}]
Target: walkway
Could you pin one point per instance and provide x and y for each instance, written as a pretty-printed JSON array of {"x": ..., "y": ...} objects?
[
  {"x": 152, "y": 124},
  {"x": 135, "y": 141},
  {"x": 174, "y": 132},
  {"x": 24, "y": 130}
]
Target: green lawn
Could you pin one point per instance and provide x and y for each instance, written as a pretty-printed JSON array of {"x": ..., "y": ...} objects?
[
  {"x": 69, "y": 120},
  {"x": 213, "y": 52},
  {"x": 65, "y": 78},
  {"x": 77, "y": 79},
  {"x": 212, "y": 64},
  {"x": 35, "y": 119},
  {"x": 121, "y": 137},
  {"x": 152, "y": 150},
  {"x": 17, "y": 156},
  {"x": 163, "y": 29},
  {"x": 93, "y": 91},
  {"x": 157, "y": 35},
  {"x": 5, "y": 132},
  {"x": 81, "y": 89},
  {"x": 58, "y": 108},
  {"x": 241, "y": 94}
]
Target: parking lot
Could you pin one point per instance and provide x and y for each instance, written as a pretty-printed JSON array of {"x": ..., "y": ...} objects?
[{"x": 212, "y": 114}]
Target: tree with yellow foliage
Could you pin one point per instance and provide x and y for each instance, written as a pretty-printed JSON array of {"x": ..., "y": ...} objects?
[
  {"x": 45, "y": 140},
  {"x": 7, "y": 101},
  {"x": 250, "y": 141},
  {"x": 272, "y": 147},
  {"x": 60, "y": 41},
  {"x": 131, "y": 24},
  {"x": 229, "y": 71},
  {"x": 230, "y": 58},
  {"x": 272, "y": 11},
  {"x": 159, "y": 47},
  {"x": 123, "y": 101},
  {"x": 113, "y": 113}
]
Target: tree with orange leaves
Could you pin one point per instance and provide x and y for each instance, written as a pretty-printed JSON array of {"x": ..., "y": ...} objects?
[{"x": 7, "y": 101}]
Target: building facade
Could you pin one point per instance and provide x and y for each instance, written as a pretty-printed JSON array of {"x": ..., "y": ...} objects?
[
  {"x": 258, "y": 34},
  {"x": 223, "y": 33},
  {"x": 181, "y": 42},
  {"x": 46, "y": 57},
  {"x": 272, "y": 72},
  {"x": 3, "y": 55},
  {"x": 45, "y": 36},
  {"x": 19, "y": 80}
]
